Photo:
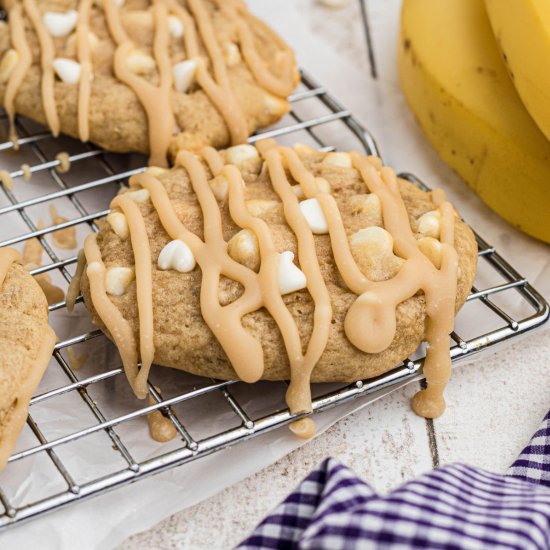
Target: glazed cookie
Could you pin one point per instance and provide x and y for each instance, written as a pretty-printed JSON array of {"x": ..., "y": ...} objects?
[
  {"x": 146, "y": 76},
  {"x": 27, "y": 343},
  {"x": 279, "y": 263}
]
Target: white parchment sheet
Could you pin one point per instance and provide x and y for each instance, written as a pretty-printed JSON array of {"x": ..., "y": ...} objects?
[{"x": 105, "y": 521}]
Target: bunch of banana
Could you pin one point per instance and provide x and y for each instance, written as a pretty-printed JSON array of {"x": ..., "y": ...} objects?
[{"x": 460, "y": 63}]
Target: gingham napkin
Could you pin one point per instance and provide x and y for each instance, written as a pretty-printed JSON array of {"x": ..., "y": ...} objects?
[{"x": 453, "y": 507}]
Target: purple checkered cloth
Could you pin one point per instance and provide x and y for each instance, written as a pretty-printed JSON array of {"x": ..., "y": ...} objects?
[{"x": 454, "y": 507}]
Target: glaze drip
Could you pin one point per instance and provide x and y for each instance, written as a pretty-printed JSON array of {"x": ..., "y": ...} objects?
[
  {"x": 86, "y": 75},
  {"x": 18, "y": 39},
  {"x": 47, "y": 50},
  {"x": 370, "y": 323},
  {"x": 116, "y": 324}
]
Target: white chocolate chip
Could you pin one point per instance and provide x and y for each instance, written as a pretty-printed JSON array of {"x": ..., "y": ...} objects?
[
  {"x": 67, "y": 70},
  {"x": 60, "y": 23},
  {"x": 118, "y": 223},
  {"x": 118, "y": 279},
  {"x": 232, "y": 54},
  {"x": 275, "y": 105},
  {"x": 155, "y": 170},
  {"x": 220, "y": 187},
  {"x": 119, "y": 3},
  {"x": 241, "y": 153},
  {"x": 259, "y": 207},
  {"x": 9, "y": 61},
  {"x": 176, "y": 26},
  {"x": 372, "y": 241},
  {"x": 140, "y": 195},
  {"x": 184, "y": 74},
  {"x": 243, "y": 248},
  {"x": 176, "y": 255},
  {"x": 431, "y": 248},
  {"x": 342, "y": 160},
  {"x": 429, "y": 224},
  {"x": 372, "y": 249},
  {"x": 291, "y": 278},
  {"x": 323, "y": 186},
  {"x": 369, "y": 205},
  {"x": 315, "y": 218},
  {"x": 140, "y": 63}
]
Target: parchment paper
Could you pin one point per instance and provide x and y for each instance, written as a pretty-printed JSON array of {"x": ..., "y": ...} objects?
[{"x": 105, "y": 521}]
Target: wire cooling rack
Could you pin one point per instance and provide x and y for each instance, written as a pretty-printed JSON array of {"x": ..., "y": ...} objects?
[{"x": 506, "y": 306}]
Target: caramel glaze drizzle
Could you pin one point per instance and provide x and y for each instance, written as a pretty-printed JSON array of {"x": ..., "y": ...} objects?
[
  {"x": 19, "y": 414},
  {"x": 144, "y": 282},
  {"x": 281, "y": 86},
  {"x": 47, "y": 49},
  {"x": 117, "y": 326},
  {"x": 156, "y": 100},
  {"x": 20, "y": 45},
  {"x": 298, "y": 393},
  {"x": 220, "y": 93},
  {"x": 74, "y": 285},
  {"x": 370, "y": 323},
  {"x": 161, "y": 120},
  {"x": 86, "y": 75}
]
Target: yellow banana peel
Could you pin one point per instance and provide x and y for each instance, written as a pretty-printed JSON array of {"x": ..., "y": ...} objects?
[
  {"x": 522, "y": 32},
  {"x": 456, "y": 83}
]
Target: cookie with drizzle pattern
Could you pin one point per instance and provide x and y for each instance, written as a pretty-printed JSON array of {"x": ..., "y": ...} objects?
[
  {"x": 280, "y": 263},
  {"x": 144, "y": 76}
]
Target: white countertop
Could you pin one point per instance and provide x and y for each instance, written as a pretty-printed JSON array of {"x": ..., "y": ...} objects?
[{"x": 500, "y": 399}]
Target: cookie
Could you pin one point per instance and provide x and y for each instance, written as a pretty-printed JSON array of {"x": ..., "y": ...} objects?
[
  {"x": 151, "y": 77},
  {"x": 279, "y": 263},
  {"x": 27, "y": 342}
]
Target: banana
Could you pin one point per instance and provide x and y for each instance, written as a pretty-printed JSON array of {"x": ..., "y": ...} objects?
[
  {"x": 456, "y": 83},
  {"x": 522, "y": 30}
]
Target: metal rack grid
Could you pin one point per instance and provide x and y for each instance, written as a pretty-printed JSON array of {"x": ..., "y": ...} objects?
[{"x": 309, "y": 98}]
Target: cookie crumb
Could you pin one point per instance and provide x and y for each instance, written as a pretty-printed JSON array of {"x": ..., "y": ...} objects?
[
  {"x": 64, "y": 163},
  {"x": 76, "y": 362},
  {"x": 53, "y": 293},
  {"x": 32, "y": 259},
  {"x": 32, "y": 251},
  {"x": 161, "y": 428},
  {"x": 6, "y": 179},
  {"x": 27, "y": 174},
  {"x": 63, "y": 238}
]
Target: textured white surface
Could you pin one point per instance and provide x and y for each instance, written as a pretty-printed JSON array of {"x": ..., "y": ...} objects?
[{"x": 501, "y": 399}]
